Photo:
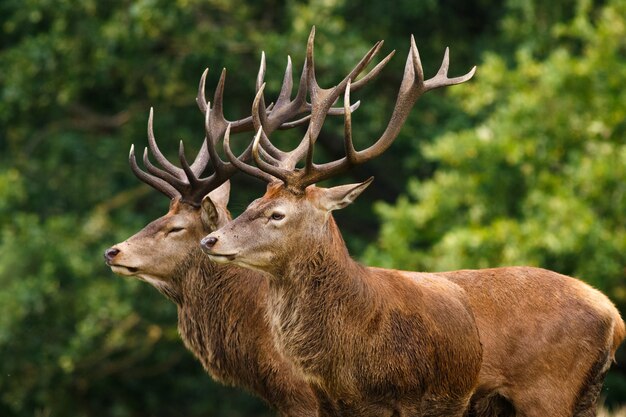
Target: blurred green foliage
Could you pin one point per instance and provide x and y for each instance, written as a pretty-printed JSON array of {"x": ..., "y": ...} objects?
[{"x": 523, "y": 165}]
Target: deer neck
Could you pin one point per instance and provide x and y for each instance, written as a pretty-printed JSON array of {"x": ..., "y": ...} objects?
[
  {"x": 217, "y": 302},
  {"x": 320, "y": 288},
  {"x": 318, "y": 260}
]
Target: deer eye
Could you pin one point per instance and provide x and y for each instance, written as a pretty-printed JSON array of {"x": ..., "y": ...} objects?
[
  {"x": 277, "y": 216},
  {"x": 174, "y": 230}
]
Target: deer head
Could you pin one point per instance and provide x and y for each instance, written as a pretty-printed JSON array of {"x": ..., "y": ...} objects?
[
  {"x": 198, "y": 204},
  {"x": 294, "y": 214}
]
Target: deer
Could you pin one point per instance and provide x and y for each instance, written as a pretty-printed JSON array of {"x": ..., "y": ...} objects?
[
  {"x": 371, "y": 341},
  {"x": 222, "y": 317},
  {"x": 354, "y": 331}
]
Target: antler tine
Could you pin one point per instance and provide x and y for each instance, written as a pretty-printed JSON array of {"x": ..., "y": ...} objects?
[
  {"x": 260, "y": 121},
  {"x": 286, "y": 108},
  {"x": 287, "y": 86},
  {"x": 199, "y": 187},
  {"x": 323, "y": 99},
  {"x": 218, "y": 97},
  {"x": 239, "y": 164},
  {"x": 201, "y": 97},
  {"x": 164, "y": 175},
  {"x": 348, "y": 145},
  {"x": 151, "y": 180},
  {"x": 261, "y": 74},
  {"x": 212, "y": 140},
  {"x": 357, "y": 85},
  {"x": 276, "y": 171},
  {"x": 411, "y": 88},
  {"x": 202, "y": 159},
  {"x": 333, "y": 112},
  {"x": 442, "y": 80},
  {"x": 191, "y": 176},
  {"x": 259, "y": 110},
  {"x": 154, "y": 148},
  {"x": 219, "y": 122}
]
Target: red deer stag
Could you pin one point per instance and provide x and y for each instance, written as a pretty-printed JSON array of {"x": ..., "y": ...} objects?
[
  {"x": 221, "y": 309},
  {"x": 374, "y": 342},
  {"x": 548, "y": 339}
]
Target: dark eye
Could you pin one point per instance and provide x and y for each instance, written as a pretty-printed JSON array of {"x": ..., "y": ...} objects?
[
  {"x": 277, "y": 216},
  {"x": 174, "y": 230}
]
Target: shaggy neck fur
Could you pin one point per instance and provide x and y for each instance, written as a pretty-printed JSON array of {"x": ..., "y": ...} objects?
[
  {"x": 317, "y": 291},
  {"x": 222, "y": 320}
]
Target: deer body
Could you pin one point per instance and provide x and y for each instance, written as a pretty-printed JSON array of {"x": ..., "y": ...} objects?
[
  {"x": 375, "y": 342},
  {"x": 548, "y": 339}
]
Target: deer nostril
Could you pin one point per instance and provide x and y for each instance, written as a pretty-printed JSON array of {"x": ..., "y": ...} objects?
[
  {"x": 209, "y": 242},
  {"x": 110, "y": 253}
]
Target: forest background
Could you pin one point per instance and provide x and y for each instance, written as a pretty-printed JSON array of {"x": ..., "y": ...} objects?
[{"x": 523, "y": 165}]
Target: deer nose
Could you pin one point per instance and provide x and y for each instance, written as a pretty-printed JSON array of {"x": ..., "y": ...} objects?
[
  {"x": 208, "y": 242},
  {"x": 110, "y": 253}
]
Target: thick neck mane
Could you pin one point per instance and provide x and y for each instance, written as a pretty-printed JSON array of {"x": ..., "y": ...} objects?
[
  {"x": 218, "y": 309},
  {"x": 321, "y": 257}
]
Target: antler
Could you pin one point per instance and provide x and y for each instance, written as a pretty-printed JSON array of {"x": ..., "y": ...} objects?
[
  {"x": 186, "y": 182},
  {"x": 321, "y": 104},
  {"x": 411, "y": 88}
]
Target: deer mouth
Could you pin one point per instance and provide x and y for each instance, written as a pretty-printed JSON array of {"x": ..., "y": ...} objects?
[
  {"x": 123, "y": 270},
  {"x": 221, "y": 257}
]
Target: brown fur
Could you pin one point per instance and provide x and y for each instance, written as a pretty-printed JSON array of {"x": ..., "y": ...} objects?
[
  {"x": 376, "y": 342},
  {"x": 548, "y": 339},
  {"x": 221, "y": 309}
]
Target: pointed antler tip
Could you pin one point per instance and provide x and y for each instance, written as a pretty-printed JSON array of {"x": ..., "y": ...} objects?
[
  {"x": 226, "y": 140},
  {"x": 255, "y": 143}
]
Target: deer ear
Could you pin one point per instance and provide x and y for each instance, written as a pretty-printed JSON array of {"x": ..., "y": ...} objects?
[
  {"x": 213, "y": 208},
  {"x": 339, "y": 197},
  {"x": 209, "y": 213},
  {"x": 221, "y": 194}
]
